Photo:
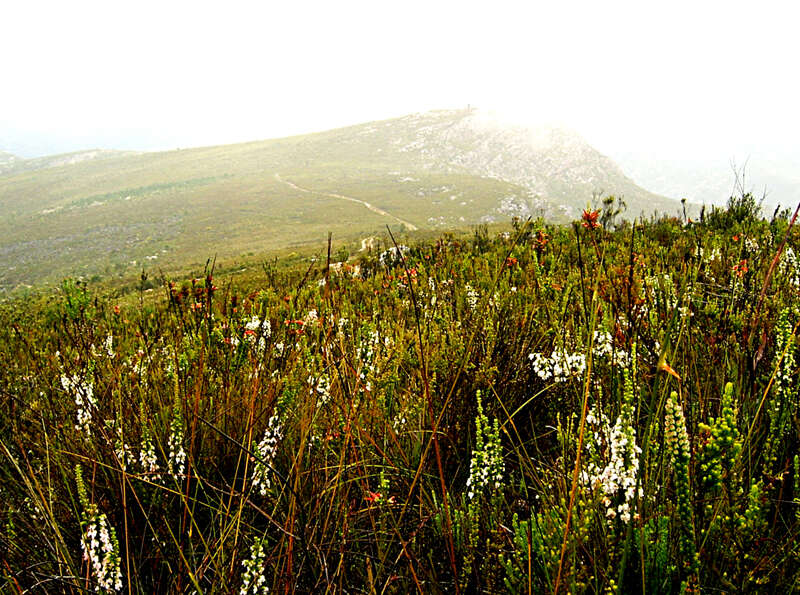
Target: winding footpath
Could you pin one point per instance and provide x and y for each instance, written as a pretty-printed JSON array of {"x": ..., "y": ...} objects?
[{"x": 371, "y": 207}]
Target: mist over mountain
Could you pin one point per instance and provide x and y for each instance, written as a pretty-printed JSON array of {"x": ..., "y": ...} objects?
[
  {"x": 775, "y": 177},
  {"x": 104, "y": 212}
]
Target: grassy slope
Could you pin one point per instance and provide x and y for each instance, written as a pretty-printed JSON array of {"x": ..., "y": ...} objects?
[{"x": 107, "y": 216}]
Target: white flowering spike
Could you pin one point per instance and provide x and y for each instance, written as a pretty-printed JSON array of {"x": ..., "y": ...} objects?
[
  {"x": 84, "y": 399},
  {"x": 613, "y": 461},
  {"x": 266, "y": 451},
  {"x": 101, "y": 551},
  {"x": 486, "y": 467},
  {"x": 176, "y": 461},
  {"x": 148, "y": 459},
  {"x": 109, "y": 346},
  {"x": 472, "y": 297},
  {"x": 790, "y": 267},
  {"x": 253, "y": 580}
]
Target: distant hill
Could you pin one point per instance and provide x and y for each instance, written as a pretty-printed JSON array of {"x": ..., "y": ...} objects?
[
  {"x": 11, "y": 164},
  {"x": 111, "y": 213},
  {"x": 8, "y": 162}
]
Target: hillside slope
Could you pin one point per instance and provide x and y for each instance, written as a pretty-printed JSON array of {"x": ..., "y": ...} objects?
[{"x": 111, "y": 212}]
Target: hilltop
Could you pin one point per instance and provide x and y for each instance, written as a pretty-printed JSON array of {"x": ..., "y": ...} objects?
[{"x": 111, "y": 213}]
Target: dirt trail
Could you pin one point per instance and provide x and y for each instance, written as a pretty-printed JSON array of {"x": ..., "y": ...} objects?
[{"x": 371, "y": 207}]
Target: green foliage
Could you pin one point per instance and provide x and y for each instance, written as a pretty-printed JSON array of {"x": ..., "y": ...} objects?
[
  {"x": 303, "y": 429},
  {"x": 722, "y": 447},
  {"x": 741, "y": 211}
]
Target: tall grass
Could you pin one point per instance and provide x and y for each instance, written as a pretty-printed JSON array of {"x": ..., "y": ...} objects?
[{"x": 556, "y": 409}]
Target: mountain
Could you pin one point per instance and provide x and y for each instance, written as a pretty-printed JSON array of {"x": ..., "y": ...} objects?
[
  {"x": 559, "y": 171},
  {"x": 111, "y": 213}
]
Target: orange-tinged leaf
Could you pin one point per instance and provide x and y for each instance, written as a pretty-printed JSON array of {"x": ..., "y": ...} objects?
[{"x": 668, "y": 369}]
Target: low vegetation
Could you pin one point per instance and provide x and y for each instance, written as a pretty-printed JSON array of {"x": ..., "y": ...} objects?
[{"x": 596, "y": 407}]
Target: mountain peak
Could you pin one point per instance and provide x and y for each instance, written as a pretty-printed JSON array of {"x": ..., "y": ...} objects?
[{"x": 559, "y": 170}]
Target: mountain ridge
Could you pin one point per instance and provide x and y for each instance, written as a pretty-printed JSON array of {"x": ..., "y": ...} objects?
[{"x": 111, "y": 212}]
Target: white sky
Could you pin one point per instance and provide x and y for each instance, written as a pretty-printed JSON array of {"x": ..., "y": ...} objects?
[{"x": 667, "y": 78}]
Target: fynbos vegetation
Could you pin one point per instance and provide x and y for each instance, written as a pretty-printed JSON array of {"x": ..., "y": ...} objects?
[{"x": 551, "y": 409}]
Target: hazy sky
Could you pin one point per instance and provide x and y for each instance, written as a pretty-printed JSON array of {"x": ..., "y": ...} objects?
[{"x": 668, "y": 78}]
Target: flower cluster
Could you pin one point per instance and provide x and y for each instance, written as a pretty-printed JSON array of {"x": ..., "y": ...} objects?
[
  {"x": 176, "y": 462},
  {"x": 740, "y": 268},
  {"x": 560, "y": 365},
  {"x": 604, "y": 348},
  {"x": 266, "y": 451},
  {"x": 616, "y": 480},
  {"x": 660, "y": 288},
  {"x": 366, "y": 352},
  {"x": 677, "y": 444},
  {"x": 675, "y": 435},
  {"x": 122, "y": 450},
  {"x": 723, "y": 444},
  {"x": 253, "y": 580},
  {"x": 311, "y": 317},
  {"x": 782, "y": 405},
  {"x": 148, "y": 459},
  {"x": 393, "y": 255},
  {"x": 101, "y": 550},
  {"x": 259, "y": 330},
  {"x": 486, "y": 467},
  {"x": 590, "y": 218},
  {"x": 256, "y": 325},
  {"x": 322, "y": 386},
  {"x": 108, "y": 345},
  {"x": 790, "y": 267},
  {"x": 84, "y": 399},
  {"x": 98, "y": 542},
  {"x": 472, "y": 297}
]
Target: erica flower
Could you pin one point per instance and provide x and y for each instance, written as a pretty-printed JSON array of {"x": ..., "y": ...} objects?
[
  {"x": 266, "y": 450},
  {"x": 253, "y": 578},
  {"x": 101, "y": 550},
  {"x": 84, "y": 399}
]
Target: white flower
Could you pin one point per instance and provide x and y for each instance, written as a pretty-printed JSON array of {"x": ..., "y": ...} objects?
[
  {"x": 253, "y": 579},
  {"x": 266, "y": 451},
  {"x": 109, "y": 345},
  {"x": 471, "y": 296},
  {"x": 393, "y": 255},
  {"x": 790, "y": 267},
  {"x": 617, "y": 479},
  {"x": 310, "y": 317},
  {"x": 147, "y": 458},
  {"x": 176, "y": 460},
  {"x": 100, "y": 549},
  {"x": 84, "y": 399}
]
